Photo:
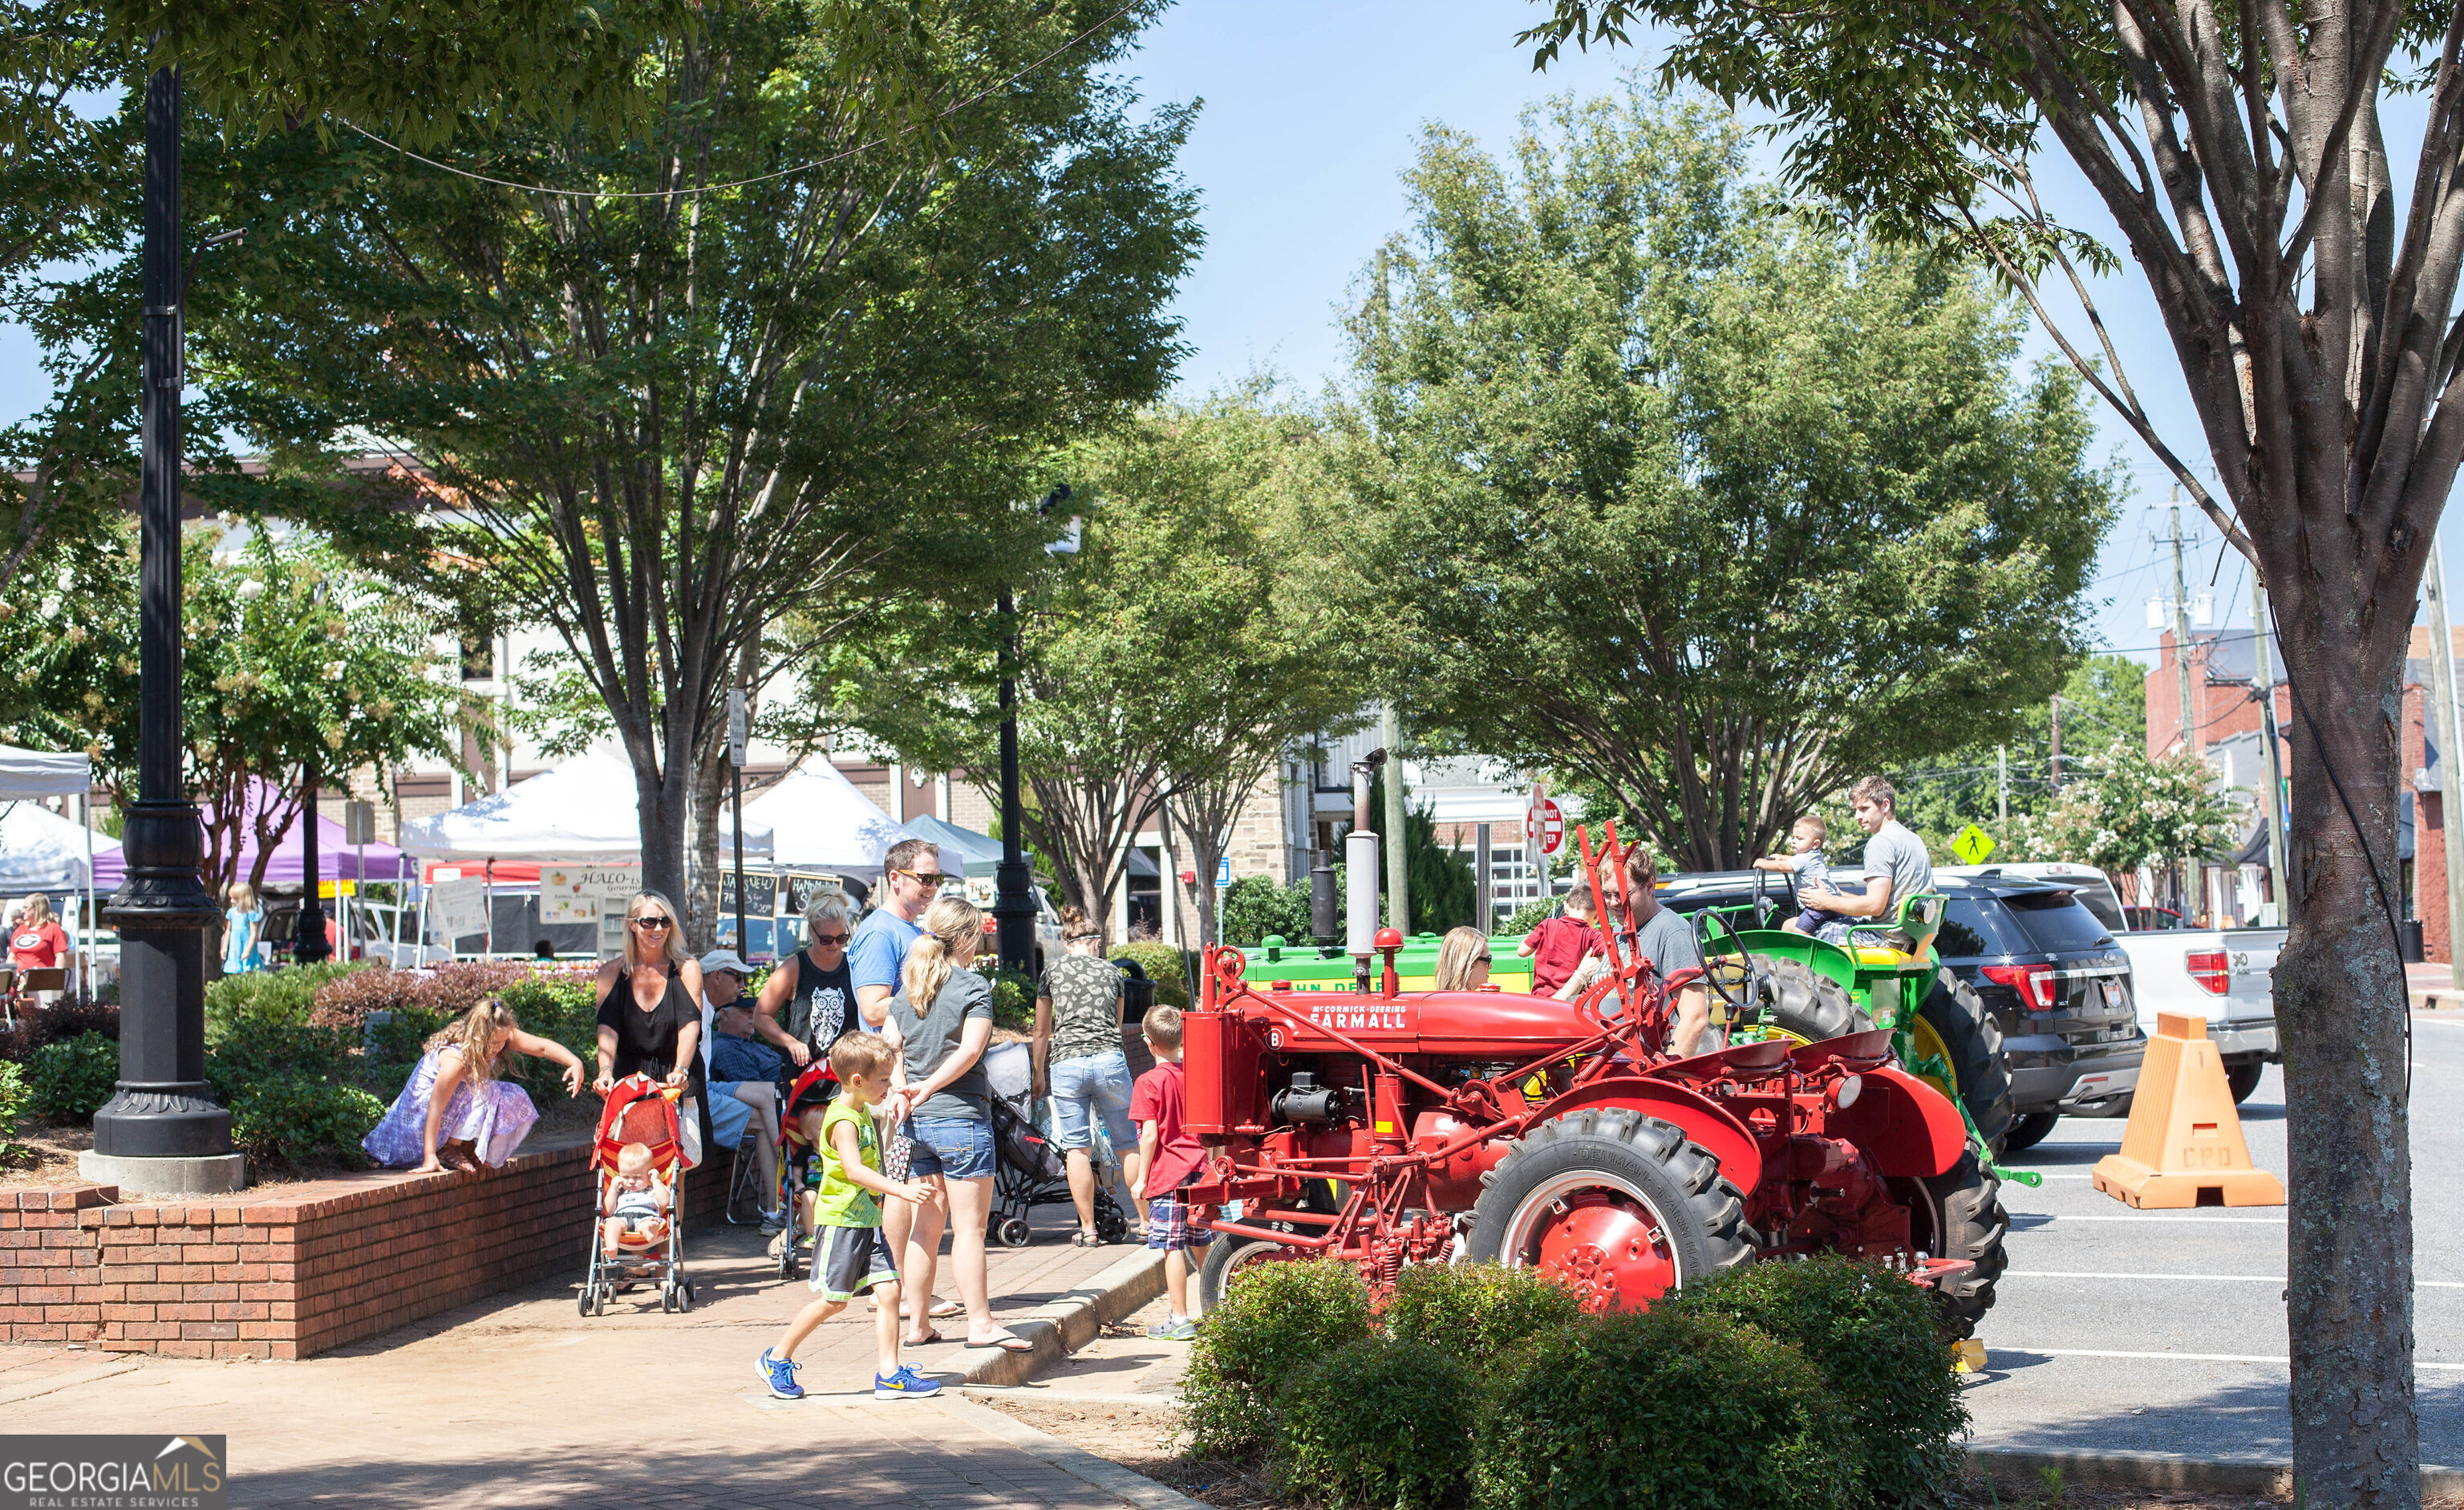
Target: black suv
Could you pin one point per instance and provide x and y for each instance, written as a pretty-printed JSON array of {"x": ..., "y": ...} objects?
[{"x": 2053, "y": 978}]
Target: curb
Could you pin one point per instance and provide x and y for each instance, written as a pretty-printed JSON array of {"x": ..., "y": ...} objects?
[
  {"x": 1072, "y": 1321},
  {"x": 2166, "y": 1471},
  {"x": 1122, "y": 1483}
]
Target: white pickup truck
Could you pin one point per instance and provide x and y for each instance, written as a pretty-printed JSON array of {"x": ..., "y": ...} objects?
[{"x": 2224, "y": 975}]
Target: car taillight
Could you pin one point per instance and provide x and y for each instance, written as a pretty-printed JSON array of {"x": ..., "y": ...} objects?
[
  {"x": 2210, "y": 968},
  {"x": 2034, "y": 982}
]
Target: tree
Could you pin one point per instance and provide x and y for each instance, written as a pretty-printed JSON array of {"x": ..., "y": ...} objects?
[
  {"x": 2125, "y": 811},
  {"x": 1678, "y": 489},
  {"x": 2243, "y": 156},
  {"x": 2105, "y": 700},
  {"x": 765, "y": 352},
  {"x": 289, "y": 659}
]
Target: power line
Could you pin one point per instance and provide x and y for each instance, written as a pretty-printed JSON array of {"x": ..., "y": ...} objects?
[{"x": 744, "y": 182}]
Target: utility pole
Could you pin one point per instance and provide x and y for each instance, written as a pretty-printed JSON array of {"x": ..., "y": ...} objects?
[
  {"x": 2182, "y": 669},
  {"x": 2002, "y": 785},
  {"x": 2279, "y": 879},
  {"x": 2056, "y": 772},
  {"x": 1398, "y": 870},
  {"x": 2442, "y": 687}
]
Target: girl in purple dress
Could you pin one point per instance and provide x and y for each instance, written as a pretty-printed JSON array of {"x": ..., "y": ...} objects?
[{"x": 454, "y": 1114}]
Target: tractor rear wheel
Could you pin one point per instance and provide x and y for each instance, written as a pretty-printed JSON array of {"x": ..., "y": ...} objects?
[
  {"x": 1965, "y": 1034},
  {"x": 1617, "y": 1205},
  {"x": 1959, "y": 1215},
  {"x": 1799, "y": 1001}
]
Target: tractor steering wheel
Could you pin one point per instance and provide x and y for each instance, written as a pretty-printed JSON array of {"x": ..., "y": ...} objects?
[{"x": 1733, "y": 994}]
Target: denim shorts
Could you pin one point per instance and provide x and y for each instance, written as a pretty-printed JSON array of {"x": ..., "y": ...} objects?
[
  {"x": 1097, "y": 1085},
  {"x": 954, "y": 1147}
]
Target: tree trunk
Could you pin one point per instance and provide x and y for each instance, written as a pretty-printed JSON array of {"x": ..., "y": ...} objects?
[
  {"x": 2342, "y": 1010},
  {"x": 709, "y": 863},
  {"x": 664, "y": 803}
]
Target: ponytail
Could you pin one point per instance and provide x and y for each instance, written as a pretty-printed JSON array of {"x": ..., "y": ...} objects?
[{"x": 952, "y": 923}]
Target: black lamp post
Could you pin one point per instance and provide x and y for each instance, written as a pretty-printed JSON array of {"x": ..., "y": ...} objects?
[
  {"x": 1013, "y": 880},
  {"x": 160, "y": 1132},
  {"x": 308, "y": 945}
]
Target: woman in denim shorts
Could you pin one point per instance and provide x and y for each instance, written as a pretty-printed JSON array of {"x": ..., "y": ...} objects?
[
  {"x": 944, "y": 1012},
  {"x": 1078, "y": 1037}
]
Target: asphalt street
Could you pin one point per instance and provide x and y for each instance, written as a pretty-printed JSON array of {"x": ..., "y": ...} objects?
[{"x": 2164, "y": 1331}]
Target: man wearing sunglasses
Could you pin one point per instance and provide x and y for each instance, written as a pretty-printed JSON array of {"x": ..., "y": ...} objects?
[
  {"x": 910, "y": 877},
  {"x": 814, "y": 989}
]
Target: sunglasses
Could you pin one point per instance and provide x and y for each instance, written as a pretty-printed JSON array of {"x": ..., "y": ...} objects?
[
  {"x": 648, "y": 922},
  {"x": 925, "y": 878},
  {"x": 1480, "y": 959},
  {"x": 829, "y": 941}
]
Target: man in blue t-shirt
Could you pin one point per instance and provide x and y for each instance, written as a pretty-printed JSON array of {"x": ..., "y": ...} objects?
[{"x": 910, "y": 877}]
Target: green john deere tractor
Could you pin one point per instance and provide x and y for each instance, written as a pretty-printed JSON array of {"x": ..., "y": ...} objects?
[{"x": 1766, "y": 982}]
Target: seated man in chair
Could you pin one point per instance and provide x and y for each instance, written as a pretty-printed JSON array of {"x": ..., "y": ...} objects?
[{"x": 1896, "y": 869}]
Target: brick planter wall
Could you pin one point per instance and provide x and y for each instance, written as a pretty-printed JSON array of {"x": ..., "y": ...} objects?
[{"x": 296, "y": 1270}]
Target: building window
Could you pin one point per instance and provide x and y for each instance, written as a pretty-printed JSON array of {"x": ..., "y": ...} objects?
[{"x": 479, "y": 657}]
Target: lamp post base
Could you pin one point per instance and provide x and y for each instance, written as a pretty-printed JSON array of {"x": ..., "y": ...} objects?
[{"x": 212, "y": 1174}]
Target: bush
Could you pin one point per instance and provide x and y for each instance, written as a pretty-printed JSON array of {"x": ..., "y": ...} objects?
[
  {"x": 12, "y": 1106},
  {"x": 1381, "y": 1422},
  {"x": 286, "y": 995},
  {"x": 295, "y": 1117},
  {"x": 1667, "y": 1409},
  {"x": 450, "y": 989},
  {"x": 1528, "y": 917},
  {"x": 67, "y": 1020},
  {"x": 69, "y": 1080},
  {"x": 1164, "y": 967},
  {"x": 1886, "y": 1360},
  {"x": 256, "y": 1052},
  {"x": 1255, "y": 906},
  {"x": 561, "y": 1005},
  {"x": 1277, "y": 1320},
  {"x": 1476, "y": 1313},
  {"x": 1013, "y": 996}
]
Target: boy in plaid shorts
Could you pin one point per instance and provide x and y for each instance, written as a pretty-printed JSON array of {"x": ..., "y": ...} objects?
[{"x": 1170, "y": 1158}]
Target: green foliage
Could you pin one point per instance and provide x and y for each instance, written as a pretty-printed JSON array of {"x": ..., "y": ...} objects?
[
  {"x": 1884, "y": 1360},
  {"x": 1667, "y": 1409},
  {"x": 256, "y": 1050},
  {"x": 1528, "y": 917},
  {"x": 70, "y": 1079},
  {"x": 2120, "y": 811},
  {"x": 1013, "y": 995},
  {"x": 1165, "y": 966},
  {"x": 295, "y": 1116},
  {"x": 1669, "y": 482},
  {"x": 1277, "y": 1321},
  {"x": 1382, "y": 1423},
  {"x": 2105, "y": 700},
  {"x": 1476, "y": 1313},
  {"x": 1254, "y": 906},
  {"x": 1442, "y": 891},
  {"x": 287, "y": 995},
  {"x": 13, "y": 1098}
]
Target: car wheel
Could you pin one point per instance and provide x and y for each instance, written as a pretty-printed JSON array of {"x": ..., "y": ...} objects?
[
  {"x": 2243, "y": 1078},
  {"x": 2029, "y": 1130}
]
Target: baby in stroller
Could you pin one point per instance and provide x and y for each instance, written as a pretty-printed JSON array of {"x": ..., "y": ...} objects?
[{"x": 636, "y": 1203}]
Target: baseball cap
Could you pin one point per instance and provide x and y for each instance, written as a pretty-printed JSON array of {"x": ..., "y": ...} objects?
[{"x": 724, "y": 960}]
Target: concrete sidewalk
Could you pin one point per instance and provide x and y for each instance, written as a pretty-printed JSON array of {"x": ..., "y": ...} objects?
[{"x": 521, "y": 1401}]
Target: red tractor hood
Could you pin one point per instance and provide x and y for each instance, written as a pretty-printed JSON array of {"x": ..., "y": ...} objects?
[{"x": 1463, "y": 1022}]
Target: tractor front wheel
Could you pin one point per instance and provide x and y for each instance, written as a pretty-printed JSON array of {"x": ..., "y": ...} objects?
[
  {"x": 1803, "y": 1004},
  {"x": 1619, "y": 1206},
  {"x": 1226, "y": 1256},
  {"x": 1954, "y": 1026},
  {"x": 1959, "y": 1215}
]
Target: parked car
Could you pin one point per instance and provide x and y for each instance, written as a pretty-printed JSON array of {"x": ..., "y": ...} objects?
[
  {"x": 2225, "y": 975},
  {"x": 2153, "y": 920}
]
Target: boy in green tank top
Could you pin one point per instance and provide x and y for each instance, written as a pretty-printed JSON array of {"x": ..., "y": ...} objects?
[{"x": 849, "y": 1254}]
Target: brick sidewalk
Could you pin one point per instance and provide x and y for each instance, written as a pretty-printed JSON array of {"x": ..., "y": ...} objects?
[{"x": 521, "y": 1401}]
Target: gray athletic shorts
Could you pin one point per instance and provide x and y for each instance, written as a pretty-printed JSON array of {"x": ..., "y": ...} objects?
[{"x": 848, "y": 1261}]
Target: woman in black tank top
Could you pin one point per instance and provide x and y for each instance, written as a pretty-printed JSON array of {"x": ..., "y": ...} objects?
[
  {"x": 649, "y": 1012},
  {"x": 806, "y": 1009}
]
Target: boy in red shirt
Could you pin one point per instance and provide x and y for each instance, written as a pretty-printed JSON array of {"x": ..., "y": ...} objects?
[
  {"x": 1561, "y": 945},
  {"x": 1170, "y": 1158}
]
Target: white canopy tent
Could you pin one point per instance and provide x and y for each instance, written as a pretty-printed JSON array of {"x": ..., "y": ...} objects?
[
  {"x": 41, "y": 850},
  {"x": 582, "y": 811},
  {"x": 819, "y": 821},
  {"x": 39, "y": 773}
]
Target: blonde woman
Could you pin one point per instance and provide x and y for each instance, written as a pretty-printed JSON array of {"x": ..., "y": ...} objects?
[
  {"x": 1463, "y": 960},
  {"x": 944, "y": 1011},
  {"x": 242, "y": 921},
  {"x": 649, "y": 1012},
  {"x": 454, "y": 1113}
]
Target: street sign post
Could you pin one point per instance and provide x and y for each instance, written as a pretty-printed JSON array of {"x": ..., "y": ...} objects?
[
  {"x": 1543, "y": 824},
  {"x": 1224, "y": 873}
]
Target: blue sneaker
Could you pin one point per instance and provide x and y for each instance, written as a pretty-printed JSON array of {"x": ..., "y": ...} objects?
[
  {"x": 905, "y": 1385},
  {"x": 780, "y": 1374}
]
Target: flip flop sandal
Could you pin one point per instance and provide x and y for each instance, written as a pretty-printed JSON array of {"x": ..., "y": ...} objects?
[
  {"x": 928, "y": 1340},
  {"x": 1006, "y": 1343},
  {"x": 942, "y": 1308},
  {"x": 1085, "y": 1240}
]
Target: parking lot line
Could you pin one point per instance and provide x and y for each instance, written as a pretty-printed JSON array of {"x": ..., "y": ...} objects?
[
  {"x": 2153, "y": 1216},
  {"x": 2186, "y": 1358},
  {"x": 2219, "y": 1279}
]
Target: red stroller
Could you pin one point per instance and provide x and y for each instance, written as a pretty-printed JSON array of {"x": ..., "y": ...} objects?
[
  {"x": 815, "y": 1086},
  {"x": 639, "y": 1110}
]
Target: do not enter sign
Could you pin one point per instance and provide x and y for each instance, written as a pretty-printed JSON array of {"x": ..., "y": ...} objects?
[{"x": 1544, "y": 825}]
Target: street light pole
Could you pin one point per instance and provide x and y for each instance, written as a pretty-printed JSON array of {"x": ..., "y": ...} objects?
[
  {"x": 308, "y": 945},
  {"x": 160, "y": 1132},
  {"x": 1013, "y": 908}
]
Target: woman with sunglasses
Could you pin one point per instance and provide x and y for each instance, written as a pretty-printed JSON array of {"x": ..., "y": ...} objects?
[
  {"x": 1463, "y": 960},
  {"x": 815, "y": 991},
  {"x": 649, "y": 1012}
]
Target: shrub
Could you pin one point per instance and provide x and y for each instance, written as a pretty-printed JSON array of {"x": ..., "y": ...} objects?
[
  {"x": 69, "y": 1019},
  {"x": 69, "y": 1080},
  {"x": 294, "y": 1118},
  {"x": 1887, "y": 1363},
  {"x": 1666, "y": 1408},
  {"x": 561, "y": 1005},
  {"x": 12, "y": 1106},
  {"x": 1277, "y": 1320},
  {"x": 1164, "y": 967},
  {"x": 286, "y": 995},
  {"x": 1528, "y": 917},
  {"x": 1476, "y": 1313},
  {"x": 450, "y": 989},
  {"x": 1255, "y": 906},
  {"x": 1378, "y": 1422},
  {"x": 1013, "y": 997},
  {"x": 257, "y": 1053}
]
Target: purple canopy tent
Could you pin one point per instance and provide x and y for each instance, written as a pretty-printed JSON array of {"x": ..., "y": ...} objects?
[{"x": 336, "y": 861}]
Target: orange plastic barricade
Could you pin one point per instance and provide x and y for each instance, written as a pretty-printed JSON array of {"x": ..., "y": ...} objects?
[{"x": 2184, "y": 1145}]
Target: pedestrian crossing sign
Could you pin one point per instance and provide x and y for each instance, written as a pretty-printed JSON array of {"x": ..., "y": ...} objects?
[{"x": 1972, "y": 845}]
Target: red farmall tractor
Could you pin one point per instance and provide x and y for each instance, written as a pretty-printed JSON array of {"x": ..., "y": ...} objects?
[{"x": 1385, "y": 1127}]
